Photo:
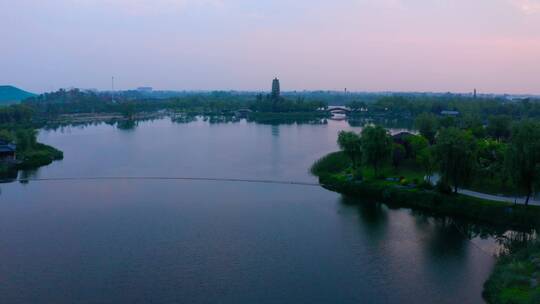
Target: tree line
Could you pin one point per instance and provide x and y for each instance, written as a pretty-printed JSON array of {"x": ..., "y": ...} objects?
[
  {"x": 503, "y": 153},
  {"x": 77, "y": 101},
  {"x": 412, "y": 105}
]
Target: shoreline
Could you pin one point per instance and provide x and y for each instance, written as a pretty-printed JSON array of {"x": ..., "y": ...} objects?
[
  {"x": 456, "y": 205},
  {"x": 329, "y": 170},
  {"x": 515, "y": 277}
]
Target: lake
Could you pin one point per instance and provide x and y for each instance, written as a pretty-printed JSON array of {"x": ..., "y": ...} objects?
[{"x": 178, "y": 241}]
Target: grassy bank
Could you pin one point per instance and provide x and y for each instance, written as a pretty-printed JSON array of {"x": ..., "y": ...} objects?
[
  {"x": 332, "y": 172},
  {"x": 516, "y": 277},
  {"x": 39, "y": 155}
]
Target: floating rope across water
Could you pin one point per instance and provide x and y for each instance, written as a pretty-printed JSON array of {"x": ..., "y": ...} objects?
[{"x": 212, "y": 179}]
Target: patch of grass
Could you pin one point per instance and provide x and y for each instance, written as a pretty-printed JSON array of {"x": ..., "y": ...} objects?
[
  {"x": 331, "y": 164},
  {"x": 515, "y": 295},
  {"x": 510, "y": 281},
  {"x": 39, "y": 155}
]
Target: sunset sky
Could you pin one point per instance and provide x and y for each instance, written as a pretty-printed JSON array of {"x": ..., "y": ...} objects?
[{"x": 362, "y": 45}]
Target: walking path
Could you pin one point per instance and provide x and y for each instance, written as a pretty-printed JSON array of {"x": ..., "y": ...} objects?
[{"x": 498, "y": 198}]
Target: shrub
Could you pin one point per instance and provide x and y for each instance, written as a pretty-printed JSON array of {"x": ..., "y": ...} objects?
[
  {"x": 425, "y": 185},
  {"x": 357, "y": 176},
  {"x": 443, "y": 187},
  {"x": 331, "y": 164}
]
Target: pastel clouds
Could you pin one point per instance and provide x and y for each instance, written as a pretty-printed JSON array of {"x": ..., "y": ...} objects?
[{"x": 527, "y": 6}]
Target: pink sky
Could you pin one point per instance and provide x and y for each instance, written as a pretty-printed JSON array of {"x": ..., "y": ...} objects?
[{"x": 364, "y": 45}]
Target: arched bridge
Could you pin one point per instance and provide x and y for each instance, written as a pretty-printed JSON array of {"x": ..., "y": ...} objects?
[{"x": 338, "y": 110}]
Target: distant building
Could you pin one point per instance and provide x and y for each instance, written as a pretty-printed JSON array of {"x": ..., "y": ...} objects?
[
  {"x": 7, "y": 151},
  {"x": 449, "y": 113},
  {"x": 145, "y": 89},
  {"x": 276, "y": 90}
]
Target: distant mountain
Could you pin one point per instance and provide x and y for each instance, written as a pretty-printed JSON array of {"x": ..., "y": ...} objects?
[{"x": 11, "y": 94}]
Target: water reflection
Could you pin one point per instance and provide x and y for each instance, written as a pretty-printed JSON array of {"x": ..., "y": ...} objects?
[
  {"x": 29, "y": 174},
  {"x": 373, "y": 215},
  {"x": 183, "y": 118},
  {"x": 513, "y": 241},
  {"x": 127, "y": 125},
  {"x": 441, "y": 236},
  {"x": 220, "y": 119},
  {"x": 275, "y": 130}
]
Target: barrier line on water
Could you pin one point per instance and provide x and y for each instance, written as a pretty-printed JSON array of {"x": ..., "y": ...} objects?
[{"x": 212, "y": 179}]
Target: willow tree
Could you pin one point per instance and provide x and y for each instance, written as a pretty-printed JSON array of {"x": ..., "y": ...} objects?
[
  {"x": 427, "y": 125},
  {"x": 349, "y": 142},
  {"x": 376, "y": 147},
  {"x": 455, "y": 153},
  {"x": 523, "y": 157}
]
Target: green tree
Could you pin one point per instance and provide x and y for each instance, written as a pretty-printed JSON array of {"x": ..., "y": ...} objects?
[
  {"x": 474, "y": 124},
  {"x": 447, "y": 122},
  {"x": 349, "y": 142},
  {"x": 6, "y": 135},
  {"x": 426, "y": 159},
  {"x": 25, "y": 139},
  {"x": 499, "y": 127},
  {"x": 490, "y": 158},
  {"x": 427, "y": 125},
  {"x": 398, "y": 154},
  {"x": 417, "y": 143},
  {"x": 357, "y": 105},
  {"x": 455, "y": 154},
  {"x": 127, "y": 109},
  {"x": 523, "y": 157},
  {"x": 422, "y": 153},
  {"x": 376, "y": 147}
]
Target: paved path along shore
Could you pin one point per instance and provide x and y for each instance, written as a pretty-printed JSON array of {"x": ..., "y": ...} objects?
[{"x": 498, "y": 198}]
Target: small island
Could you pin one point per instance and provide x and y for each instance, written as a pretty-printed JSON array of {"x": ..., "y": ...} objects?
[{"x": 19, "y": 149}]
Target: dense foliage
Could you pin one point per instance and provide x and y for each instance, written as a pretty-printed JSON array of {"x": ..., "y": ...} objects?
[
  {"x": 523, "y": 156},
  {"x": 515, "y": 277},
  {"x": 351, "y": 145},
  {"x": 376, "y": 147},
  {"x": 77, "y": 101},
  {"x": 332, "y": 163},
  {"x": 15, "y": 114},
  {"x": 501, "y": 156},
  {"x": 455, "y": 152}
]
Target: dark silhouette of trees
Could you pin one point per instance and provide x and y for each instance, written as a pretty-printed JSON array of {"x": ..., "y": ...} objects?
[
  {"x": 376, "y": 147},
  {"x": 427, "y": 125},
  {"x": 455, "y": 153},
  {"x": 523, "y": 156},
  {"x": 499, "y": 127},
  {"x": 350, "y": 143}
]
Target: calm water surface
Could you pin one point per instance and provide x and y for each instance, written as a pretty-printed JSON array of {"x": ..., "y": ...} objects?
[{"x": 218, "y": 242}]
